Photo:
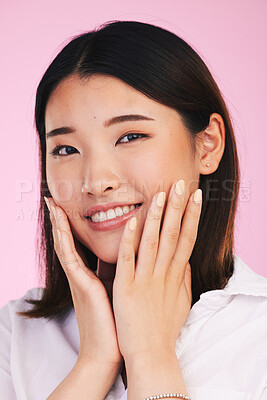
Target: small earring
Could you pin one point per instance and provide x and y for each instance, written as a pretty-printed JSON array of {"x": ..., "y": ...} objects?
[{"x": 207, "y": 165}]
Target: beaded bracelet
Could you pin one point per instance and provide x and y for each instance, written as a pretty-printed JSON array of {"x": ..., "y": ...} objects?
[{"x": 162, "y": 396}]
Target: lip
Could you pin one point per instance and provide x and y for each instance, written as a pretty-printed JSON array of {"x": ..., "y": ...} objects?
[
  {"x": 114, "y": 223},
  {"x": 105, "y": 207}
]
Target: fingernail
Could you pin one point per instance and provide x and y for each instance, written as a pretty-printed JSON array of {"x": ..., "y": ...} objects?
[
  {"x": 132, "y": 224},
  {"x": 161, "y": 198},
  {"x": 198, "y": 196},
  {"x": 179, "y": 187},
  {"x": 47, "y": 203}
]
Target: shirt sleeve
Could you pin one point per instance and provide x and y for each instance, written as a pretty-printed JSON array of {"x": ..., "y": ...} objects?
[{"x": 6, "y": 384}]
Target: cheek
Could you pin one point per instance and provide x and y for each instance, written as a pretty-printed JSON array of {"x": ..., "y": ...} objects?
[
  {"x": 154, "y": 171},
  {"x": 63, "y": 186},
  {"x": 61, "y": 189},
  {"x": 158, "y": 171},
  {"x": 175, "y": 163},
  {"x": 145, "y": 174}
]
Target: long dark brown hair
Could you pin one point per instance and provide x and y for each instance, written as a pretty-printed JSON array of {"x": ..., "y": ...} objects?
[{"x": 165, "y": 68}]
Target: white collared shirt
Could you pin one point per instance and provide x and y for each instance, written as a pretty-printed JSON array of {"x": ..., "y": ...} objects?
[{"x": 222, "y": 347}]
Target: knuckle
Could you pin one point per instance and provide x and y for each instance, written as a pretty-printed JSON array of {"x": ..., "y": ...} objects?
[
  {"x": 194, "y": 213},
  {"x": 153, "y": 214},
  {"x": 57, "y": 248},
  {"x": 172, "y": 234},
  {"x": 69, "y": 268},
  {"x": 190, "y": 237},
  {"x": 151, "y": 243},
  {"x": 128, "y": 241},
  {"x": 177, "y": 204},
  {"x": 176, "y": 272},
  {"x": 127, "y": 257},
  {"x": 188, "y": 268}
]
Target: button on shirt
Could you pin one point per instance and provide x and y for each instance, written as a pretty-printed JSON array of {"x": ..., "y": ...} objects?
[{"x": 221, "y": 348}]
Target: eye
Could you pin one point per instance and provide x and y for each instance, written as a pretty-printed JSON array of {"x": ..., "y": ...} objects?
[
  {"x": 55, "y": 152},
  {"x": 132, "y": 136}
]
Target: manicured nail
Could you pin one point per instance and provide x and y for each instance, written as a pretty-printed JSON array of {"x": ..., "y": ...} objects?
[
  {"x": 198, "y": 196},
  {"x": 161, "y": 198},
  {"x": 47, "y": 203},
  {"x": 179, "y": 187},
  {"x": 132, "y": 223}
]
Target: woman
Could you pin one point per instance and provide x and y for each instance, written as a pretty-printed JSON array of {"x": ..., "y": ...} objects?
[{"x": 144, "y": 296}]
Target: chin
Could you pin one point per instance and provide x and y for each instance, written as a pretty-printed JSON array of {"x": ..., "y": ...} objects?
[
  {"x": 109, "y": 255},
  {"x": 108, "y": 258},
  {"x": 107, "y": 250}
]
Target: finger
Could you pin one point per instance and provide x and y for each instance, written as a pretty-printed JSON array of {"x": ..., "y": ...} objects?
[
  {"x": 148, "y": 248},
  {"x": 171, "y": 228},
  {"x": 61, "y": 222},
  {"x": 187, "y": 235},
  {"x": 54, "y": 231},
  {"x": 68, "y": 256},
  {"x": 60, "y": 238},
  {"x": 125, "y": 270},
  {"x": 51, "y": 206},
  {"x": 188, "y": 282},
  {"x": 61, "y": 218},
  {"x": 75, "y": 270}
]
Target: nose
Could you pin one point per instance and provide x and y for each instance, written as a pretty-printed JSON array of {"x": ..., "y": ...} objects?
[
  {"x": 101, "y": 188},
  {"x": 103, "y": 178}
]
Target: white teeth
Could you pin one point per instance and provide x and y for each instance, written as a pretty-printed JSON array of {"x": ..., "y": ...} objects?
[
  {"x": 102, "y": 216},
  {"x": 119, "y": 211},
  {"x": 112, "y": 213},
  {"x": 96, "y": 217}
]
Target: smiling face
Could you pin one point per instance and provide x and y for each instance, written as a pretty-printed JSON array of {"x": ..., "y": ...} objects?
[{"x": 126, "y": 162}]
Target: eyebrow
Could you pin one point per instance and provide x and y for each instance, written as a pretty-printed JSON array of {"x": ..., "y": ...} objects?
[{"x": 115, "y": 120}]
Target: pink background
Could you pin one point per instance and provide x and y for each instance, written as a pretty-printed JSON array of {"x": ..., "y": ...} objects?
[{"x": 229, "y": 35}]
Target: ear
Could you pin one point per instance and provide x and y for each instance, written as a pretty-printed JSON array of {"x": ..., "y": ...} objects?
[{"x": 213, "y": 144}]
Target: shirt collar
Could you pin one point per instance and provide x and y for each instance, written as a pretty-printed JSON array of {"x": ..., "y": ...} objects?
[
  {"x": 243, "y": 281},
  {"x": 246, "y": 281}
]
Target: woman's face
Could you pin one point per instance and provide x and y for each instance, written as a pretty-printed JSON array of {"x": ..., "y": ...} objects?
[{"x": 111, "y": 166}]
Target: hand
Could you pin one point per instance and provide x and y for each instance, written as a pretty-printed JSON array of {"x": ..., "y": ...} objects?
[
  {"x": 98, "y": 339},
  {"x": 152, "y": 299}
]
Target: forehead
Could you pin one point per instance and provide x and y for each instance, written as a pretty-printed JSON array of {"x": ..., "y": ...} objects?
[{"x": 101, "y": 97}]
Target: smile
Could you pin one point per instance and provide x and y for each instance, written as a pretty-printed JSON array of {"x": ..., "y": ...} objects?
[
  {"x": 112, "y": 213},
  {"x": 112, "y": 218}
]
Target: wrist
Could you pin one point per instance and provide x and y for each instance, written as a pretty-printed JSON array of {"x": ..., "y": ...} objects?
[
  {"x": 148, "y": 364},
  {"x": 86, "y": 364},
  {"x": 149, "y": 373},
  {"x": 86, "y": 376},
  {"x": 151, "y": 357}
]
